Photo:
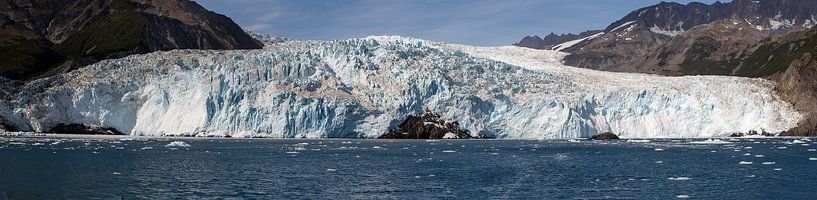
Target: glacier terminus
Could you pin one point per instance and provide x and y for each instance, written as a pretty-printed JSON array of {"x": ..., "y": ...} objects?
[{"x": 361, "y": 88}]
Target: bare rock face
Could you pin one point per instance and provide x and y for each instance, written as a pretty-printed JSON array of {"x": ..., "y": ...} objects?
[
  {"x": 605, "y": 136},
  {"x": 798, "y": 86},
  {"x": 709, "y": 49},
  {"x": 47, "y": 37},
  {"x": 646, "y": 37},
  {"x": 427, "y": 126}
]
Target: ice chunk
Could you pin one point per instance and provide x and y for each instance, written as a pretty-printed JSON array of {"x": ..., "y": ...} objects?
[
  {"x": 638, "y": 141},
  {"x": 680, "y": 178},
  {"x": 745, "y": 162},
  {"x": 177, "y": 144},
  {"x": 710, "y": 141}
]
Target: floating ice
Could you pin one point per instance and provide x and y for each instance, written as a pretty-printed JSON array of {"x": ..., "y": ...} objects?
[
  {"x": 659, "y": 149},
  {"x": 745, "y": 162},
  {"x": 177, "y": 144},
  {"x": 449, "y": 151},
  {"x": 638, "y": 141},
  {"x": 710, "y": 141},
  {"x": 680, "y": 178},
  {"x": 682, "y": 196},
  {"x": 768, "y": 163}
]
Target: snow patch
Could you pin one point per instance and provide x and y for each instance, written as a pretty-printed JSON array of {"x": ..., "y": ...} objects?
[
  {"x": 671, "y": 33},
  {"x": 572, "y": 43}
]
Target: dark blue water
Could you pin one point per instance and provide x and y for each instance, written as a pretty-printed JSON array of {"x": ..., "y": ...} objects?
[{"x": 37, "y": 168}]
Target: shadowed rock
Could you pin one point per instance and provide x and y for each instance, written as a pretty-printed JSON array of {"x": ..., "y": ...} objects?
[
  {"x": 605, "y": 136},
  {"x": 427, "y": 126},
  {"x": 83, "y": 129}
]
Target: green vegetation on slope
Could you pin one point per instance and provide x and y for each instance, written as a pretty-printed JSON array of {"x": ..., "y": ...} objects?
[
  {"x": 774, "y": 57},
  {"x": 113, "y": 33},
  {"x": 27, "y": 57}
]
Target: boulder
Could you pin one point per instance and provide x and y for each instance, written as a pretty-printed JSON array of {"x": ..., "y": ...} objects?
[
  {"x": 83, "y": 129},
  {"x": 605, "y": 136},
  {"x": 427, "y": 125}
]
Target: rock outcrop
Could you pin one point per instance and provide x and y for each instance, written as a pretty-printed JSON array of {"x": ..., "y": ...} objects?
[
  {"x": 83, "y": 129},
  {"x": 605, "y": 136},
  {"x": 46, "y": 37},
  {"x": 427, "y": 125},
  {"x": 798, "y": 85}
]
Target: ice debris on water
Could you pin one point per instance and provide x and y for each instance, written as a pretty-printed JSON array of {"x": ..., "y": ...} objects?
[
  {"x": 177, "y": 144},
  {"x": 680, "y": 178},
  {"x": 710, "y": 141}
]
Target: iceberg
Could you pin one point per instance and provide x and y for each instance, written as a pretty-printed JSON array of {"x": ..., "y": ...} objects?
[{"x": 362, "y": 87}]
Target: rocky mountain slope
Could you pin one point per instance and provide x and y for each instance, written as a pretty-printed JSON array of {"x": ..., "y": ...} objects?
[
  {"x": 46, "y": 37},
  {"x": 369, "y": 86},
  {"x": 552, "y": 39},
  {"x": 797, "y": 84},
  {"x": 646, "y": 30}
]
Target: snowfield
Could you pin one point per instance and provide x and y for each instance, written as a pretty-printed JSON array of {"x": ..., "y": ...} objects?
[{"x": 363, "y": 87}]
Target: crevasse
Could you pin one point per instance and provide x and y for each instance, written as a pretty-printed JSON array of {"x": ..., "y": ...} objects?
[{"x": 363, "y": 87}]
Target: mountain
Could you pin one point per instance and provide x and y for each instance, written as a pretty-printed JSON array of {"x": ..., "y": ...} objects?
[
  {"x": 366, "y": 87},
  {"x": 645, "y": 30},
  {"x": 47, "y": 37},
  {"x": 717, "y": 48},
  {"x": 551, "y": 40}
]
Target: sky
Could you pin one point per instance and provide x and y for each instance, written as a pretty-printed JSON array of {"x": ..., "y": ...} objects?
[{"x": 474, "y": 22}]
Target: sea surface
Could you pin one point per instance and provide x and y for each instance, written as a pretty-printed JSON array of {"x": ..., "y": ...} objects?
[{"x": 162, "y": 168}]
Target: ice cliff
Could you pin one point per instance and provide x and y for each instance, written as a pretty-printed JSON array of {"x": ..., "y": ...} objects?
[{"x": 363, "y": 87}]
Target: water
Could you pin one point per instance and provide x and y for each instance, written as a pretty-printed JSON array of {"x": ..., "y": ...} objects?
[{"x": 81, "y": 168}]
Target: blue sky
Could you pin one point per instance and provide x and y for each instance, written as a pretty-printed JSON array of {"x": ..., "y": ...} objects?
[{"x": 476, "y": 22}]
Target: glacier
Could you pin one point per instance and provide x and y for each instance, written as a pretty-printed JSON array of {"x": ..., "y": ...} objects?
[{"x": 362, "y": 87}]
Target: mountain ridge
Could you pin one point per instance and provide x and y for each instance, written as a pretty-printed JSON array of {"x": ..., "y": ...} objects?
[{"x": 47, "y": 37}]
